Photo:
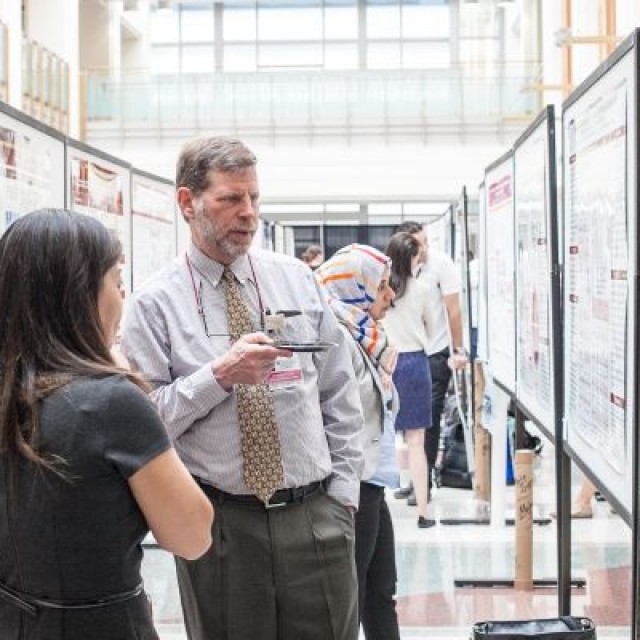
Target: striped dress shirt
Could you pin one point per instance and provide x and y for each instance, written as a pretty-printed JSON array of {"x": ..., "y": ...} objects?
[{"x": 319, "y": 420}]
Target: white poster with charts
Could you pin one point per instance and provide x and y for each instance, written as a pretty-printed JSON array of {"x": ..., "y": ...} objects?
[
  {"x": 98, "y": 185},
  {"x": 153, "y": 225},
  {"x": 599, "y": 175},
  {"x": 31, "y": 166},
  {"x": 534, "y": 348},
  {"x": 500, "y": 272}
]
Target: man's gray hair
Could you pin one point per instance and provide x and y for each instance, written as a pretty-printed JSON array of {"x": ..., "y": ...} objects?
[{"x": 203, "y": 155}]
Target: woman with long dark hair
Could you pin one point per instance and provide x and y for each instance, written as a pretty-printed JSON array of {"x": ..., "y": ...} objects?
[
  {"x": 406, "y": 326},
  {"x": 356, "y": 280},
  {"x": 86, "y": 467}
]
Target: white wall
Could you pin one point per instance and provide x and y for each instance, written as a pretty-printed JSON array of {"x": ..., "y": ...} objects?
[{"x": 346, "y": 173}]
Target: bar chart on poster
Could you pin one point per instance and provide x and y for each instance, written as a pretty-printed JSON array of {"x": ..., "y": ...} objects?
[
  {"x": 600, "y": 166},
  {"x": 499, "y": 214},
  {"x": 534, "y": 222},
  {"x": 31, "y": 166}
]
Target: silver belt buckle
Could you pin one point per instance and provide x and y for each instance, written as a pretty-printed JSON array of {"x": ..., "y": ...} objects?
[{"x": 275, "y": 505}]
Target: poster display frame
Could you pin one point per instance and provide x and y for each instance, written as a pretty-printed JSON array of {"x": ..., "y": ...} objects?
[
  {"x": 150, "y": 177},
  {"x": 578, "y": 452},
  {"x": 629, "y": 47},
  {"x": 26, "y": 121},
  {"x": 503, "y": 370},
  {"x": 533, "y": 407}
]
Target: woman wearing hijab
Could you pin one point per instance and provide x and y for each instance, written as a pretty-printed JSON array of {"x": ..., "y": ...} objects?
[{"x": 356, "y": 280}]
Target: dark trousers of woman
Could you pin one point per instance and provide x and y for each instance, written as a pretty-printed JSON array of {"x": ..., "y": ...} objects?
[
  {"x": 376, "y": 565},
  {"x": 440, "y": 378}
]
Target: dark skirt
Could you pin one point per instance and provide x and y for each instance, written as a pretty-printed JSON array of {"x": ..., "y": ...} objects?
[{"x": 413, "y": 382}]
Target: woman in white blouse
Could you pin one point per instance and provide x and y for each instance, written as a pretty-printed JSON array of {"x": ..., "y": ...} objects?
[{"x": 406, "y": 327}]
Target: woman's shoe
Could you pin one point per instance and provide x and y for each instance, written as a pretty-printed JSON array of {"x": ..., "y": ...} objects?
[
  {"x": 580, "y": 513},
  {"x": 583, "y": 513},
  {"x": 425, "y": 523},
  {"x": 403, "y": 492}
]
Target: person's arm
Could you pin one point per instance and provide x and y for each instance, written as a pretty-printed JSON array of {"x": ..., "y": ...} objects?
[
  {"x": 177, "y": 511},
  {"x": 146, "y": 343},
  {"x": 449, "y": 283},
  {"x": 341, "y": 412},
  {"x": 454, "y": 316},
  {"x": 135, "y": 442}
]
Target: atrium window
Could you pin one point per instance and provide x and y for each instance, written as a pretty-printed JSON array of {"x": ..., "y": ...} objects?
[
  {"x": 291, "y": 23},
  {"x": 197, "y": 25},
  {"x": 165, "y": 26}
]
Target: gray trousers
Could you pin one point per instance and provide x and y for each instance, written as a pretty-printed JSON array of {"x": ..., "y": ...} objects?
[{"x": 286, "y": 573}]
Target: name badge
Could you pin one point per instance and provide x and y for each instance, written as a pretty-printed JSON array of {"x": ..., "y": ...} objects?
[{"x": 286, "y": 373}]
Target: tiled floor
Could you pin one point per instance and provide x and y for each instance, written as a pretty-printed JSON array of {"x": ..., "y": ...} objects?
[{"x": 431, "y": 561}]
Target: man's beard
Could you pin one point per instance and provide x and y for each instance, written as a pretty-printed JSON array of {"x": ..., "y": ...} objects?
[{"x": 210, "y": 233}]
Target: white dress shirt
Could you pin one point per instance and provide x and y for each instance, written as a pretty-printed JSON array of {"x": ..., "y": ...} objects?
[{"x": 319, "y": 419}]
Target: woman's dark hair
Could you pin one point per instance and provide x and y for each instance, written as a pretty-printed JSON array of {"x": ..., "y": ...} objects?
[
  {"x": 52, "y": 264},
  {"x": 402, "y": 247}
]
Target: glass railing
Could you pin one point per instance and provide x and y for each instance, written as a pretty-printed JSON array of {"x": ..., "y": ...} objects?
[{"x": 327, "y": 100}]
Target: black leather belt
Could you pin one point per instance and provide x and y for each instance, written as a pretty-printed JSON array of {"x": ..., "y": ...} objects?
[
  {"x": 280, "y": 498},
  {"x": 30, "y": 604}
]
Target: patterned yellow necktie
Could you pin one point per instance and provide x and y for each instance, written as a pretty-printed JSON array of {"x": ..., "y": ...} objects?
[{"x": 262, "y": 463}]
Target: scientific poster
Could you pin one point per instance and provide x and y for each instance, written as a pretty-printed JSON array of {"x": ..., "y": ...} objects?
[
  {"x": 153, "y": 228},
  {"x": 534, "y": 365},
  {"x": 99, "y": 186},
  {"x": 31, "y": 166},
  {"x": 500, "y": 243},
  {"x": 600, "y": 172}
]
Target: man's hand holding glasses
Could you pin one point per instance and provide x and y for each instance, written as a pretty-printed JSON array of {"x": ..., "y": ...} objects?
[{"x": 250, "y": 360}]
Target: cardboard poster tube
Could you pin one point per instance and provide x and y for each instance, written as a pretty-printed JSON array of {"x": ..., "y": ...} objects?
[
  {"x": 524, "y": 520},
  {"x": 482, "y": 440}
]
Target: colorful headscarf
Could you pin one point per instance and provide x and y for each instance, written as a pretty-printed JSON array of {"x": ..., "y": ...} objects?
[{"x": 351, "y": 278}]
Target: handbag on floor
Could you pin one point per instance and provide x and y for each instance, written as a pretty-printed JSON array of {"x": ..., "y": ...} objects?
[{"x": 563, "y": 628}]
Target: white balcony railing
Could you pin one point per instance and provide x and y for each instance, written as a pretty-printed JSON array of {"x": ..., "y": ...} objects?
[{"x": 333, "y": 101}]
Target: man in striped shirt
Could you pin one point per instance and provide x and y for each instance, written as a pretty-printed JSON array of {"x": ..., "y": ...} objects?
[{"x": 282, "y": 569}]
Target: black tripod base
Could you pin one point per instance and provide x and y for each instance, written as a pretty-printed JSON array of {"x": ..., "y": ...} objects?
[{"x": 507, "y": 583}]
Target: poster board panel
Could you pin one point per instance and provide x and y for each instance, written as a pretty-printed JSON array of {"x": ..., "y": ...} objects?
[
  {"x": 535, "y": 216},
  {"x": 481, "y": 275},
  {"x": 32, "y": 166},
  {"x": 438, "y": 233},
  {"x": 153, "y": 225},
  {"x": 99, "y": 185},
  {"x": 499, "y": 202},
  {"x": 600, "y": 169}
]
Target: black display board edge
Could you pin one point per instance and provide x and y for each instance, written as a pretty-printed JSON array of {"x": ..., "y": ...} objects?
[
  {"x": 151, "y": 176},
  {"x": 630, "y": 42},
  {"x": 103, "y": 155},
  {"x": 635, "y": 472},
  {"x": 32, "y": 122}
]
